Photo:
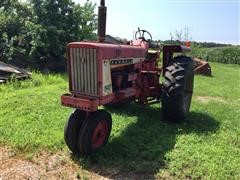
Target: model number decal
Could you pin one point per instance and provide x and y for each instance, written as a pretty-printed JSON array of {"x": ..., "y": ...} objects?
[{"x": 108, "y": 88}]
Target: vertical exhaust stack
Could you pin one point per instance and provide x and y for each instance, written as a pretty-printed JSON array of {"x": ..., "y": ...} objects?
[{"x": 102, "y": 15}]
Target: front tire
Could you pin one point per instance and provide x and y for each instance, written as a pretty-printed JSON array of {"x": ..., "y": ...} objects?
[
  {"x": 72, "y": 128},
  {"x": 95, "y": 132},
  {"x": 177, "y": 89}
]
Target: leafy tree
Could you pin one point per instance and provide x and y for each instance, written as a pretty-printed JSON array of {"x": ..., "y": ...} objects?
[
  {"x": 40, "y": 29},
  {"x": 84, "y": 17},
  {"x": 56, "y": 23},
  {"x": 12, "y": 28}
]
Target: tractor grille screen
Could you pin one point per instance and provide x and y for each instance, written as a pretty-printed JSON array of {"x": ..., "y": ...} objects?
[{"x": 84, "y": 71}]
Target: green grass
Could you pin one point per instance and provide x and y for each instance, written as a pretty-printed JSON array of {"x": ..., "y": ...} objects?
[
  {"x": 31, "y": 117},
  {"x": 206, "y": 145}
]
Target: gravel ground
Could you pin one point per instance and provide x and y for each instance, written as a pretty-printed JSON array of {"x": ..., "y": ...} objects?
[
  {"x": 41, "y": 166},
  {"x": 48, "y": 165}
]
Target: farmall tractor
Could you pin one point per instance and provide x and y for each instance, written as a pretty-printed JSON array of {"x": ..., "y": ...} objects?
[{"x": 103, "y": 74}]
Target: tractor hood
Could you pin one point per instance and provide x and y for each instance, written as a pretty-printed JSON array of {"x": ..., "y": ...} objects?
[{"x": 109, "y": 51}]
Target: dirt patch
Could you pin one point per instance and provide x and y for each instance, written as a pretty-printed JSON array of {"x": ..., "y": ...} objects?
[
  {"x": 59, "y": 165},
  {"x": 44, "y": 165},
  {"x": 207, "y": 99}
]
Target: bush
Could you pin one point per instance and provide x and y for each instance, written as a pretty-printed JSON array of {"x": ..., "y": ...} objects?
[{"x": 227, "y": 55}]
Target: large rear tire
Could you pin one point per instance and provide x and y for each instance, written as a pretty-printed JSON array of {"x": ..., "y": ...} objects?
[
  {"x": 95, "y": 132},
  {"x": 177, "y": 89},
  {"x": 72, "y": 128}
]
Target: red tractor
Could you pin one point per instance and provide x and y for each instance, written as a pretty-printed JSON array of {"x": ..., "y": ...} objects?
[{"x": 112, "y": 74}]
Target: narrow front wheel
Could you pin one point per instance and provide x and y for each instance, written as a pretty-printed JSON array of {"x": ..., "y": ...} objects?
[
  {"x": 95, "y": 132},
  {"x": 72, "y": 128}
]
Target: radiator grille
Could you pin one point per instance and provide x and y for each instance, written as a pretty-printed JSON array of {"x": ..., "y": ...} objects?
[{"x": 84, "y": 72}]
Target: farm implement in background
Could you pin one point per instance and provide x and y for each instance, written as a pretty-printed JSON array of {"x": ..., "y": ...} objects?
[
  {"x": 114, "y": 74},
  {"x": 8, "y": 72},
  {"x": 202, "y": 67}
]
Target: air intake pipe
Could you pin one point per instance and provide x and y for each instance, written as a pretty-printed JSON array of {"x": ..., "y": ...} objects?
[{"x": 102, "y": 14}]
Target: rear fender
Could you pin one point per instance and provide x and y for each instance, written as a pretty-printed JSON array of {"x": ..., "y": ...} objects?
[{"x": 168, "y": 52}]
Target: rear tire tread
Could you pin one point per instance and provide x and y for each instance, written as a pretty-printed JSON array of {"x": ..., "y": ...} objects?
[{"x": 178, "y": 82}]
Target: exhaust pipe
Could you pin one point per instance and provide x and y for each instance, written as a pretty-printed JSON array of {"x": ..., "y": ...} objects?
[{"x": 102, "y": 14}]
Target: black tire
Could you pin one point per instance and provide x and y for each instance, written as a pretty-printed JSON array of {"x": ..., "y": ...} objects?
[
  {"x": 177, "y": 89},
  {"x": 72, "y": 128},
  {"x": 95, "y": 132}
]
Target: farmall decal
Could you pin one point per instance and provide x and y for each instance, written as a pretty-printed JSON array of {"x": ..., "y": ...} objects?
[
  {"x": 124, "y": 61},
  {"x": 121, "y": 61}
]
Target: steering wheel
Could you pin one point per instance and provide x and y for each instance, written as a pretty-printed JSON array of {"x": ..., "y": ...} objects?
[{"x": 140, "y": 35}]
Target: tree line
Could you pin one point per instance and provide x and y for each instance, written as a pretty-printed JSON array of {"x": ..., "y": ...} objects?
[
  {"x": 35, "y": 33},
  {"x": 194, "y": 43}
]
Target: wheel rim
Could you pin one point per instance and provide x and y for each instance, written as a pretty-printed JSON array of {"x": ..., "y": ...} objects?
[{"x": 100, "y": 133}]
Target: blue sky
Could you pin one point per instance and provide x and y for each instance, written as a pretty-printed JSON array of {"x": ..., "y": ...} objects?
[{"x": 212, "y": 20}]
